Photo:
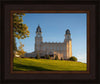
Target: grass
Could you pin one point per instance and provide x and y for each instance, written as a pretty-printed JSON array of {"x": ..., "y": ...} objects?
[{"x": 31, "y": 64}]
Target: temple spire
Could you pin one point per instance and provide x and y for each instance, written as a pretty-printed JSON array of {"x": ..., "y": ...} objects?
[
  {"x": 67, "y": 31},
  {"x": 38, "y": 29}
]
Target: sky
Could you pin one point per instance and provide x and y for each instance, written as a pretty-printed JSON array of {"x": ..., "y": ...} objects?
[{"x": 53, "y": 26}]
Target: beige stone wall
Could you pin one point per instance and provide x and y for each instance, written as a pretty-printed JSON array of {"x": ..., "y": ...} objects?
[
  {"x": 70, "y": 49},
  {"x": 54, "y": 48},
  {"x": 63, "y": 50}
]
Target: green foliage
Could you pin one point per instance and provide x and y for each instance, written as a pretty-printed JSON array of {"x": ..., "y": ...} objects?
[
  {"x": 22, "y": 57},
  {"x": 28, "y": 64},
  {"x": 61, "y": 58},
  {"x": 45, "y": 56},
  {"x": 14, "y": 45},
  {"x": 20, "y": 29},
  {"x": 31, "y": 57},
  {"x": 56, "y": 58},
  {"x": 73, "y": 58},
  {"x": 48, "y": 56},
  {"x": 37, "y": 56}
]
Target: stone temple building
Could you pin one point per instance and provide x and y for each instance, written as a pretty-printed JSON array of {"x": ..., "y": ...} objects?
[{"x": 62, "y": 50}]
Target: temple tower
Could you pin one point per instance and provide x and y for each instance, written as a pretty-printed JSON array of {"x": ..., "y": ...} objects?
[
  {"x": 68, "y": 44},
  {"x": 38, "y": 39}
]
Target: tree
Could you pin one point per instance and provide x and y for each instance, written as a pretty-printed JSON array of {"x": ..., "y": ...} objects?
[
  {"x": 56, "y": 58},
  {"x": 20, "y": 29},
  {"x": 14, "y": 47},
  {"x": 61, "y": 58},
  {"x": 21, "y": 51},
  {"x": 48, "y": 56},
  {"x": 45, "y": 56},
  {"x": 37, "y": 56},
  {"x": 73, "y": 58}
]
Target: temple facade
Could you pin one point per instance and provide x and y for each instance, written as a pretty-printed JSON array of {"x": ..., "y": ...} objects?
[{"x": 62, "y": 50}]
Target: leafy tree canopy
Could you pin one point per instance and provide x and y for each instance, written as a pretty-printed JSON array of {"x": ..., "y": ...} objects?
[
  {"x": 20, "y": 29},
  {"x": 20, "y": 49}
]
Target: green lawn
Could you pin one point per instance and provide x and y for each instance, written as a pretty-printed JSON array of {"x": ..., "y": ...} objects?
[{"x": 31, "y": 64}]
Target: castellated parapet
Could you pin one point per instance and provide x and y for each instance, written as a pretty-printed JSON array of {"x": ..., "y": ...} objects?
[{"x": 61, "y": 49}]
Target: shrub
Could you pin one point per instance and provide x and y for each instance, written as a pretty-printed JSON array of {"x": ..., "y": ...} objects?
[
  {"x": 61, "y": 58},
  {"x": 37, "y": 56},
  {"x": 48, "y": 56},
  {"x": 42, "y": 57},
  {"x": 56, "y": 58},
  {"x": 73, "y": 58},
  {"x": 22, "y": 57},
  {"x": 45, "y": 56},
  {"x": 31, "y": 57}
]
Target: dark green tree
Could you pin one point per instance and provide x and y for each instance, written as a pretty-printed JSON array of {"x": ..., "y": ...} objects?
[
  {"x": 48, "y": 56},
  {"x": 61, "y": 58},
  {"x": 56, "y": 58},
  {"x": 45, "y": 56},
  {"x": 37, "y": 56}
]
